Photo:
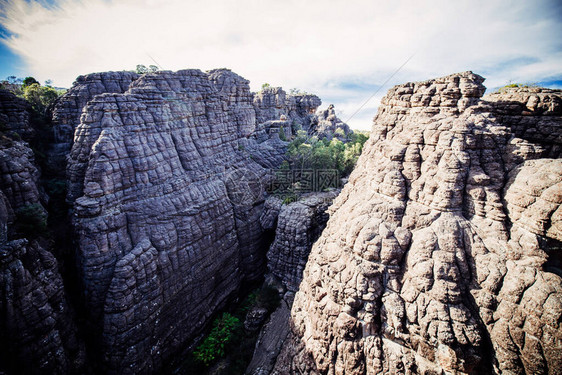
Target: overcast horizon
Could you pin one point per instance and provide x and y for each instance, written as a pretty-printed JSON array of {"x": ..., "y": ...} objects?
[{"x": 342, "y": 51}]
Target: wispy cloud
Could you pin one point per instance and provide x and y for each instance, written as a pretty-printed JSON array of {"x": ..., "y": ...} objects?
[{"x": 341, "y": 50}]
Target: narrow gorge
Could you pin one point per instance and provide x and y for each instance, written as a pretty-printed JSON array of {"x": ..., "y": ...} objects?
[{"x": 146, "y": 205}]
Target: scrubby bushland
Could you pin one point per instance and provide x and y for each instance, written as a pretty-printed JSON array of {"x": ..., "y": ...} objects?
[{"x": 312, "y": 158}]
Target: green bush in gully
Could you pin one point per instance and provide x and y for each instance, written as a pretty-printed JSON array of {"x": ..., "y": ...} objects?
[
  {"x": 213, "y": 347},
  {"x": 311, "y": 153},
  {"x": 227, "y": 337}
]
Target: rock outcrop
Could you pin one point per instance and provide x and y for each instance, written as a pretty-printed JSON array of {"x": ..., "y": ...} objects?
[
  {"x": 167, "y": 181},
  {"x": 328, "y": 125},
  {"x": 442, "y": 253},
  {"x": 272, "y": 103},
  {"x": 15, "y": 115},
  {"x": 298, "y": 226},
  {"x": 38, "y": 334}
]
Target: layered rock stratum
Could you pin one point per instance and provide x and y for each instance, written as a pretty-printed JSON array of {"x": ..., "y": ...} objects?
[
  {"x": 167, "y": 181},
  {"x": 442, "y": 253}
]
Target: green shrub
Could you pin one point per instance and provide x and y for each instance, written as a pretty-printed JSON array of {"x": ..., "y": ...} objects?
[
  {"x": 515, "y": 85},
  {"x": 40, "y": 97},
  {"x": 213, "y": 347},
  {"x": 31, "y": 220},
  {"x": 282, "y": 135}
]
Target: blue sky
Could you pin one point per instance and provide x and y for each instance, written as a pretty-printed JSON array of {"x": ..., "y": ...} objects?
[{"x": 341, "y": 50}]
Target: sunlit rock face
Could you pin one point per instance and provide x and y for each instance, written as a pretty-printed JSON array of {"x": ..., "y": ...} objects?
[
  {"x": 442, "y": 253},
  {"x": 167, "y": 181}
]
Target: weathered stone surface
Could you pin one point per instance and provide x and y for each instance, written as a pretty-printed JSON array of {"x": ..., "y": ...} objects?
[
  {"x": 271, "y": 338},
  {"x": 328, "y": 125},
  {"x": 272, "y": 103},
  {"x": 299, "y": 225},
  {"x": 437, "y": 254},
  {"x": 68, "y": 109},
  {"x": 15, "y": 115},
  {"x": 37, "y": 330},
  {"x": 37, "y": 334},
  {"x": 168, "y": 182},
  {"x": 19, "y": 175}
]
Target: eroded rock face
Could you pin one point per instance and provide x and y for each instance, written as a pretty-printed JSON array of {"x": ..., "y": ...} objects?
[
  {"x": 37, "y": 330},
  {"x": 273, "y": 103},
  {"x": 15, "y": 115},
  {"x": 441, "y": 253},
  {"x": 68, "y": 109},
  {"x": 38, "y": 334},
  {"x": 299, "y": 225},
  {"x": 328, "y": 125},
  {"x": 168, "y": 182},
  {"x": 19, "y": 175}
]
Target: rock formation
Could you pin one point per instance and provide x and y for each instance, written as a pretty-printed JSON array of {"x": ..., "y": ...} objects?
[
  {"x": 442, "y": 253},
  {"x": 15, "y": 115},
  {"x": 167, "y": 180},
  {"x": 328, "y": 125},
  {"x": 272, "y": 103},
  {"x": 37, "y": 330},
  {"x": 68, "y": 109},
  {"x": 37, "y": 334},
  {"x": 299, "y": 225}
]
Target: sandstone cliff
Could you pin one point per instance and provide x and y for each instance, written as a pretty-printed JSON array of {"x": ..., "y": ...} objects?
[
  {"x": 167, "y": 180},
  {"x": 442, "y": 253}
]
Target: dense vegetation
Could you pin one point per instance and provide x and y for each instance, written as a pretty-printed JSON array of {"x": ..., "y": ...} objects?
[
  {"x": 312, "y": 153},
  {"x": 28, "y": 88},
  {"x": 315, "y": 164}
]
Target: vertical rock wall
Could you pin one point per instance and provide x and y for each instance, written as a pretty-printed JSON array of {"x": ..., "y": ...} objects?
[{"x": 168, "y": 182}]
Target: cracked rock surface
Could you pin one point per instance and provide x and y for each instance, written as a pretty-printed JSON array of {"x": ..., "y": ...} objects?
[
  {"x": 442, "y": 253},
  {"x": 68, "y": 109},
  {"x": 15, "y": 115}
]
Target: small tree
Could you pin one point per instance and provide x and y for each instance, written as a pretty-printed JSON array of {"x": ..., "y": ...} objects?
[
  {"x": 142, "y": 69},
  {"x": 214, "y": 345},
  {"x": 40, "y": 97},
  {"x": 28, "y": 81}
]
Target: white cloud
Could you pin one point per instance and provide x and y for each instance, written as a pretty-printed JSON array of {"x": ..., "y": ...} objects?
[{"x": 305, "y": 44}]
